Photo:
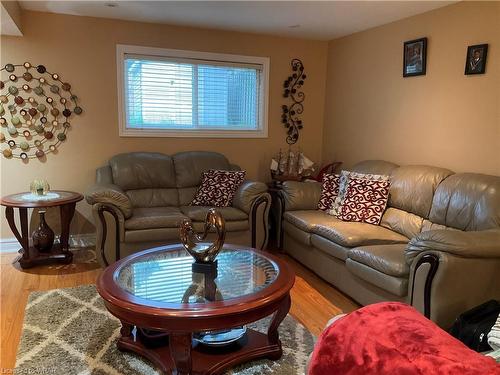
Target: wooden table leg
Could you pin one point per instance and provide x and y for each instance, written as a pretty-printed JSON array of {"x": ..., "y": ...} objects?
[
  {"x": 180, "y": 350},
  {"x": 23, "y": 238},
  {"x": 67, "y": 213},
  {"x": 280, "y": 314},
  {"x": 126, "y": 330}
]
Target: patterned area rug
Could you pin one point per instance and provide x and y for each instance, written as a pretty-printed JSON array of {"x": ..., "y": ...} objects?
[{"x": 70, "y": 332}]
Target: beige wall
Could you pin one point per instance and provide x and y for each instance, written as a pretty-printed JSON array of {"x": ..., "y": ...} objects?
[
  {"x": 82, "y": 50},
  {"x": 443, "y": 118}
]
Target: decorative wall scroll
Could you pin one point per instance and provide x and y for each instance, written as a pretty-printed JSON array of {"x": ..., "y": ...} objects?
[
  {"x": 290, "y": 118},
  {"x": 35, "y": 110}
]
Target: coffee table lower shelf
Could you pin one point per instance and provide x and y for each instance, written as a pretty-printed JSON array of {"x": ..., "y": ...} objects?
[{"x": 196, "y": 359}]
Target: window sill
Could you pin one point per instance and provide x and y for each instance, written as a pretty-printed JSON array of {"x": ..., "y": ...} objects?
[{"x": 193, "y": 133}]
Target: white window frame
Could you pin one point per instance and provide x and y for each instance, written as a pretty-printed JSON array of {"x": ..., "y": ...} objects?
[{"x": 124, "y": 131}]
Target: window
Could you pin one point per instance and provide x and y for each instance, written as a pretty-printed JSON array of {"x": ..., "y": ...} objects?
[{"x": 175, "y": 93}]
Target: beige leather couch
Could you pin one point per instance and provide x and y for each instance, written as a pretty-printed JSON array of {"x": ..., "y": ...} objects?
[
  {"x": 437, "y": 247},
  {"x": 140, "y": 199}
]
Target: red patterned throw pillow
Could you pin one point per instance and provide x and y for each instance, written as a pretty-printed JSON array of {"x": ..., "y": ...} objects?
[
  {"x": 329, "y": 191},
  {"x": 218, "y": 187},
  {"x": 364, "y": 201}
]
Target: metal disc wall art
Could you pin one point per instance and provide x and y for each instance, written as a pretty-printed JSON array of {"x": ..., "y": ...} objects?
[
  {"x": 289, "y": 116},
  {"x": 36, "y": 107}
]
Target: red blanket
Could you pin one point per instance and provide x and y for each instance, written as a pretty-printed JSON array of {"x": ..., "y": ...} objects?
[{"x": 393, "y": 338}]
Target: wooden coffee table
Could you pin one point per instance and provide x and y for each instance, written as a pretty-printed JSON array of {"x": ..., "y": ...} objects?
[{"x": 163, "y": 301}]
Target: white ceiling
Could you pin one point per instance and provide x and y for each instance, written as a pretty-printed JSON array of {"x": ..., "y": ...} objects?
[{"x": 322, "y": 20}]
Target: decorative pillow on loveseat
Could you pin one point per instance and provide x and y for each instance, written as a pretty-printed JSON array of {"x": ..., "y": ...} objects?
[
  {"x": 218, "y": 187},
  {"x": 364, "y": 200},
  {"x": 329, "y": 191},
  {"x": 345, "y": 176}
]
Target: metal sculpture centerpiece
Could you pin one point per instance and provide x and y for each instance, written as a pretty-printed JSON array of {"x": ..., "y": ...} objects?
[
  {"x": 289, "y": 117},
  {"x": 35, "y": 111},
  {"x": 204, "y": 252}
]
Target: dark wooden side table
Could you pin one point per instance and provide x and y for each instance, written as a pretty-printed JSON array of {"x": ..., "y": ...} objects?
[{"x": 31, "y": 255}]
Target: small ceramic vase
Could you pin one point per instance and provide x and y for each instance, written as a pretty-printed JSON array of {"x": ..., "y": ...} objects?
[{"x": 43, "y": 236}]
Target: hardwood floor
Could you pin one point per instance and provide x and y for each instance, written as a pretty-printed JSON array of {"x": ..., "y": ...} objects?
[{"x": 314, "y": 301}]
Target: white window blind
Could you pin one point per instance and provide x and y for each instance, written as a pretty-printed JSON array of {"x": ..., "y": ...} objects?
[{"x": 194, "y": 96}]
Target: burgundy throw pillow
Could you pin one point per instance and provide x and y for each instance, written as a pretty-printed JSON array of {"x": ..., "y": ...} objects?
[
  {"x": 329, "y": 191},
  {"x": 218, "y": 187},
  {"x": 364, "y": 201}
]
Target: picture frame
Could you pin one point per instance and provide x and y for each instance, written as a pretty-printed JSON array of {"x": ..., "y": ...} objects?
[
  {"x": 415, "y": 57},
  {"x": 475, "y": 60}
]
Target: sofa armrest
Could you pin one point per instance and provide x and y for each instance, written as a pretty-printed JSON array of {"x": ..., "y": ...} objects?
[
  {"x": 110, "y": 194},
  {"x": 247, "y": 193},
  {"x": 110, "y": 232},
  {"x": 474, "y": 244},
  {"x": 443, "y": 285},
  {"x": 301, "y": 195}
]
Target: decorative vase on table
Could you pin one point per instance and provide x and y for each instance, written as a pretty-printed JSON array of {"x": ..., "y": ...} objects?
[
  {"x": 204, "y": 286},
  {"x": 204, "y": 252},
  {"x": 43, "y": 236}
]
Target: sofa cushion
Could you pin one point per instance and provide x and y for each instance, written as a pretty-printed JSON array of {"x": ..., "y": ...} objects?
[
  {"x": 231, "y": 226},
  {"x": 168, "y": 235},
  {"x": 154, "y": 217},
  {"x": 190, "y": 165},
  {"x": 329, "y": 191},
  {"x": 403, "y": 222},
  {"x": 297, "y": 233},
  {"x": 352, "y": 234},
  {"x": 307, "y": 219},
  {"x": 344, "y": 180},
  {"x": 364, "y": 200},
  {"x": 329, "y": 247},
  {"x": 301, "y": 195},
  {"x": 388, "y": 259},
  {"x": 218, "y": 188},
  {"x": 159, "y": 197},
  {"x": 142, "y": 170},
  {"x": 374, "y": 167},
  {"x": 186, "y": 195},
  {"x": 429, "y": 225},
  {"x": 413, "y": 186},
  {"x": 395, "y": 285},
  {"x": 467, "y": 201},
  {"x": 198, "y": 213}
]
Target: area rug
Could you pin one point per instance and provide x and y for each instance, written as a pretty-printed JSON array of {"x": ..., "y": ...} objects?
[{"x": 70, "y": 332}]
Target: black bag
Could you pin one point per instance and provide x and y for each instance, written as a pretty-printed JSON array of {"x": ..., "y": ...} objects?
[{"x": 472, "y": 327}]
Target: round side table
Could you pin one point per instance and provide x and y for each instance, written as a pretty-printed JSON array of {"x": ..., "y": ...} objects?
[{"x": 33, "y": 255}]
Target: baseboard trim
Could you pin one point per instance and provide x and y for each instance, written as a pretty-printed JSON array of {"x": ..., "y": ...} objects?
[{"x": 10, "y": 245}]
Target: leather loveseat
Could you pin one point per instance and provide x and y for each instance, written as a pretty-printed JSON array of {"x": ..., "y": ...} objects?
[
  {"x": 437, "y": 247},
  {"x": 140, "y": 198}
]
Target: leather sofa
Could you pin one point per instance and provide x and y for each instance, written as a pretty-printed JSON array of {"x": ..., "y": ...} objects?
[
  {"x": 437, "y": 247},
  {"x": 140, "y": 198}
]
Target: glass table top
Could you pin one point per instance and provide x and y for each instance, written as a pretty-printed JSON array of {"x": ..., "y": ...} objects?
[
  {"x": 28, "y": 199},
  {"x": 168, "y": 276}
]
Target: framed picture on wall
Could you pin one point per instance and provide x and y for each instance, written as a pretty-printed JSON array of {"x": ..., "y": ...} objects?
[
  {"x": 475, "y": 61},
  {"x": 414, "y": 57}
]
